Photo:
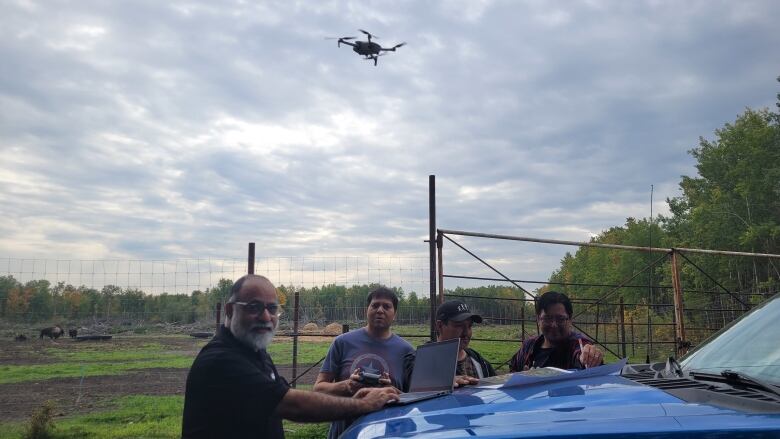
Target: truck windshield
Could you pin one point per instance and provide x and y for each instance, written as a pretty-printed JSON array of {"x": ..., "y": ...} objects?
[{"x": 750, "y": 345}]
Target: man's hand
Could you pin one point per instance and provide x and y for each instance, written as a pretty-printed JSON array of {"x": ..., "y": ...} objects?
[
  {"x": 375, "y": 398},
  {"x": 354, "y": 383},
  {"x": 464, "y": 380},
  {"x": 590, "y": 355},
  {"x": 385, "y": 380}
]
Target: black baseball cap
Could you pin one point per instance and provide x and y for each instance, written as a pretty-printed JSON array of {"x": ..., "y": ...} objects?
[{"x": 456, "y": 311}]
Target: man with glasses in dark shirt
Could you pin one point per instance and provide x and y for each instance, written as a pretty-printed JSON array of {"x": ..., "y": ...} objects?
[
  {"x": 558, "y": 346},
  {"x": 233, "y": 388}
]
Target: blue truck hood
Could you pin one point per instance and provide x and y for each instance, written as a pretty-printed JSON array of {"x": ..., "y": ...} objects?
[{"x": 606, "y": 406}]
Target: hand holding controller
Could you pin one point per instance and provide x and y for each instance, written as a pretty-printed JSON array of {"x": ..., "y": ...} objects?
[{"x": 370, "y": 379}]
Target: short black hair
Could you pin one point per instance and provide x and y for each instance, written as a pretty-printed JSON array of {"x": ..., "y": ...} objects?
[
  {"x": 384, "y": 293},
  {"x": 550, "y": 298},
  {"x": 238, "y": 284}
]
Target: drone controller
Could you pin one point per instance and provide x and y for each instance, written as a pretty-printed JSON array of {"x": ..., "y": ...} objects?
[{"x": 369, "y": 379}]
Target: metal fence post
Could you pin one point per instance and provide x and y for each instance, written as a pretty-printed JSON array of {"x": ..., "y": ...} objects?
[
  {"x": 598, "y": 315},
  {"x": 439, "y": 246},
  {"x": 250, "y": 269},
  {"x": 678, "y": 307},
  {"x": 522, "y": 317},
  {"x": 622, "y": 327},
  {"x": 432, "y": 250},
  {"x": 217, "y": 312},
  {"x": 296, "y": 310}
]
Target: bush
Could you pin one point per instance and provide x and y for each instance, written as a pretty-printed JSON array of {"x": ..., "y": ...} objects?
[{"x": 41, "y": 423}]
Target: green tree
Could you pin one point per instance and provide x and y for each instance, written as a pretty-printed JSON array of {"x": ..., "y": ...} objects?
[
  {"x": 734, "y": 202},
  {"x": 41, "y": 300},
  {"x": 7, "y": 283}
]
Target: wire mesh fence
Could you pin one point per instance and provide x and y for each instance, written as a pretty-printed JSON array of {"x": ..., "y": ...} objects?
[
  {"x": 681, "y": 304},
  {"x": 183, "y": 276},
  {"x": 151, "y": 309}
]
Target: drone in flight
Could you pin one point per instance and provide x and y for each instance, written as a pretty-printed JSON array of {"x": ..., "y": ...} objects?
[{"x": 369, "y": 49}]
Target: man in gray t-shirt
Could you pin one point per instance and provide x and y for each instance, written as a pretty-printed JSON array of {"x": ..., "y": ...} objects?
[
  {"x": 359, "y": 350},
  {"x": 371, "y": 349}
]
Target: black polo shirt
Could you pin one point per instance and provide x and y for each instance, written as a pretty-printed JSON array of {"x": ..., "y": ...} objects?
[{"x": 232, "y": 391}]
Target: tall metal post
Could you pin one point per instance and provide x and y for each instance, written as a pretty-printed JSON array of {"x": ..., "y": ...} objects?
[
  {"x": 650, "y": 283},
  {"x": 522, "y": 317},
  {"x": 623, "y": 327},
  {"x": 250, "y": 269},
  {"x": 678, "y": 307},
  {"x": 296, "y": 310},
  {"x": 598, "y": 315},
  {"x": 217, "y": 312},
  {"x": 440, "y": 263},
  {"x": 432, "y": 249}
]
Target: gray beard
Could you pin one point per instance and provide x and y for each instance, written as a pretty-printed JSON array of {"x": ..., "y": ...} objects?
[{"x": 251, "y": 339}]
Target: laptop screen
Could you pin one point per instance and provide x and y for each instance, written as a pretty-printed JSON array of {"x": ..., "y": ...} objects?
[{"x": 434, "y": 366}]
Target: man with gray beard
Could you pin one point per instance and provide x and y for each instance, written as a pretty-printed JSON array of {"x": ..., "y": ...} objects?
[{"x": 233, "y": 388}]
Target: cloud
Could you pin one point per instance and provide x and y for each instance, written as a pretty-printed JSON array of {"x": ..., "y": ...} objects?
[{"x": 172, "y": 130}]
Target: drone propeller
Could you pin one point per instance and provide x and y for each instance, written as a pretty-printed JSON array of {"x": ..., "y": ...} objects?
[
  {"x": 369, "y": 34},
  {"x": 340, "y": 38},
  {"x": 398, "y": 45}
]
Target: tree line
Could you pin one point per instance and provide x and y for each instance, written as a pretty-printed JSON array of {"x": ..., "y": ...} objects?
[
  {"x": 39, "y": 301},
  {"x": 733, "y": 203}
]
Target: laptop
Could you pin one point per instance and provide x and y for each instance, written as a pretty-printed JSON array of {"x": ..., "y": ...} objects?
[{"x": 433, "y": 373}]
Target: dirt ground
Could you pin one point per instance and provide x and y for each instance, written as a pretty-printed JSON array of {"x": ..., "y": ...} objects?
[{"x": 77, "y": 396}]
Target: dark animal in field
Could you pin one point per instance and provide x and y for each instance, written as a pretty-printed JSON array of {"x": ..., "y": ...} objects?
[
  {"x": 20, "y": 337},
  {"x": 52, "y": 332},
  {"x": 72, "y": 333}
]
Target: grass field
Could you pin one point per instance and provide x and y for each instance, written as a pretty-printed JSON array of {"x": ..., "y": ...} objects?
[{"x": 139, "y": 416}]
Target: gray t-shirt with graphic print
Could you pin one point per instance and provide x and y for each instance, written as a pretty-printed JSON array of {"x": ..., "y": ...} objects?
[{"x": 357, "y": 349}]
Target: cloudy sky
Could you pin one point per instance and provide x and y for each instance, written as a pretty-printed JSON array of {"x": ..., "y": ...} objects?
[{"x": 179, "y": 129}]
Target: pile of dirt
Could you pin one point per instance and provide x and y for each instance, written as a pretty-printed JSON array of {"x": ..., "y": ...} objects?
[
  {"x": 333, "y": 329},
  {"x": 311, "y": 327}
]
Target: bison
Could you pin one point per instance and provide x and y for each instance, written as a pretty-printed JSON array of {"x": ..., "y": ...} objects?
[
  {"x": 20, "y": 337},
  {"x": 52, "y": 332},
  {"x": 72, "y": 333}
]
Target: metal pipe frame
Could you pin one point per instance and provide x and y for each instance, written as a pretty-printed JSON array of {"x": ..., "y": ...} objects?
[{"x": 613, "y": 246}]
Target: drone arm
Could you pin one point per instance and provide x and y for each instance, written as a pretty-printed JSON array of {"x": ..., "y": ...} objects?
[
  {"x": 392, "y": 49},
  {"x": 346, "y": 42}
]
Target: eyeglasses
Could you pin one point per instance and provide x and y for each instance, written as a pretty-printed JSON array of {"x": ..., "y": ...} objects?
[
  {"x": 559, "y": 320},
  {"x": 256, "y": 307}
]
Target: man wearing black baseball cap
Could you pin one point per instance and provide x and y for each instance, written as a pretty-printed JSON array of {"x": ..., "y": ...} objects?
[{"x": 454, "y": 320}]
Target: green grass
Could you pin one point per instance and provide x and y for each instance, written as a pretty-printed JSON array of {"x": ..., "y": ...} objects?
[
  {"x": 117, "y": 360},
  {"x": 134, "y": 416},
  {"x": 308, "y": 351},
  {"x": 98, "y": 354},
  {"x": 139, "y": 416},
  {"x": 89, "y": 360},
  {"x": 294, "y": 430},
  {"x": 11, "y": 430},
  {"x": 37, "y": 372}
]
